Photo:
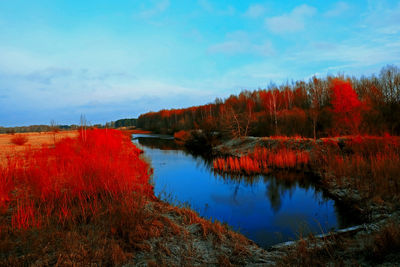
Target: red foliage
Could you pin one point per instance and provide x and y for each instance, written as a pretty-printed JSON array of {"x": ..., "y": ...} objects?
[
  {"x": 319, "y": 107},
  {"x": 261, "y": 159},
  {"x": 78, "y": 173},
  {"x": 236, "y": 165},
  {"x": 181, "y": 135},
  {"x": 371, "y": 163},
  {"x": 346, "y": 107},
  {"x": 282, "y": 158},
  {"x": 19, "y": 139}
]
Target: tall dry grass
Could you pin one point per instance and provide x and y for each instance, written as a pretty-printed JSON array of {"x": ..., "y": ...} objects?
[
  {"x": 370, "y": 164},
  {"x": 71, "y": 181},
  {"x": 81, "y": 201},
  {"x": 262, "y": 159}
]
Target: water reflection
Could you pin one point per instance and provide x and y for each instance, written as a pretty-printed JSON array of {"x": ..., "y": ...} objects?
[{"x": 266, "y": 208}]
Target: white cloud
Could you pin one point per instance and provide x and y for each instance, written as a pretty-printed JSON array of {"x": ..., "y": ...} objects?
[
  {"x": 291, "y": 22},
  {"x": 209, "y": 7},
  {"x": 236, "y": 47},
  {"x": 158, "y": 7},
  {"x": 13, "y": 60},
  {"x": 240, "y": 42},
  {"x": 338, "y": 9},
  {"x": 254, "y": 11},
  {"x": 228, "y": 47},
  {"x": 355, "y": 53},
  {"x": 382, "y": 18},
  {"x": 250, "y": 76}
]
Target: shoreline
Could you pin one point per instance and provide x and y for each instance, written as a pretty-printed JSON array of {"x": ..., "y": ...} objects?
[
  {"x": 179, "y": 236},
  {"x": 375, "y": 217}
]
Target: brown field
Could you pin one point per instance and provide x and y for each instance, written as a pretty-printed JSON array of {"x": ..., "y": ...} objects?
[{"x": 35, "y": 140}]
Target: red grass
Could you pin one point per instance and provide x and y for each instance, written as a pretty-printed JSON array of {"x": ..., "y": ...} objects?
[
  {"x": 372, "y": 163},
  {"x": 72, "y": 180},
  {"x": 261, "y": 159},
  {"x": 181, "y": 135},
  {"x": 19, "y": 139},
  {"x": 237, "y": 165}
]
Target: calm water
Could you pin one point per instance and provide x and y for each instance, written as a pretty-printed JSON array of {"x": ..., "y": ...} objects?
[{"x": 268, "y": 209}]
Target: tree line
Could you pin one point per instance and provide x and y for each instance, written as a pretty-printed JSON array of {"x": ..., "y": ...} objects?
[
  {"x": 36, "y": 128},
  {"x": 52, "y": 126},
  {"x": 334, "y": 105}
]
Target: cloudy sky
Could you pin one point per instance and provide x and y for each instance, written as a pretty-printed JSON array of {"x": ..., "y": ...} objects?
[{"x": 117, "y": 59}]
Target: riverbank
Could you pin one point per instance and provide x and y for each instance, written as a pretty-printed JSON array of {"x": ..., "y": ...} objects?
[
  {"x": 139, "y": 229},
  {"x": 340, "y": 163},
  {"x": 360, "y": 172},
  {"x": 156, "y": 235},
  {"x": 86, "y": 200}
]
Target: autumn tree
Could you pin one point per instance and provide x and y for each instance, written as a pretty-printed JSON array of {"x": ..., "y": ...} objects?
[
  {"x": 314, "y": 108},
  {"x": 346, "y": 107}
]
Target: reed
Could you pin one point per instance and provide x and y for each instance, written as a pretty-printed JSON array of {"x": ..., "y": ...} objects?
[
  {"x": 73, "y": 180},
  {"x": 262, "y": 159}
]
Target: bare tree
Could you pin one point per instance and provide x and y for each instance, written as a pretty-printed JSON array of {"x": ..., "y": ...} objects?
[
  {"x": 236, "y": 124},
  {"x": 54, "y": 129},
  {"x": 84, "y": 124},
  {"x": 390, "y": 79},
  {"x": 316, "y": 94}
]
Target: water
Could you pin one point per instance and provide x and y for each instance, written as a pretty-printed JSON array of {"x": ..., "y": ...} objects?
[{"x": 268, "y": 209}]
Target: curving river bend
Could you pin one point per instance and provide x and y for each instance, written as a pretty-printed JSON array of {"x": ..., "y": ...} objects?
[{"x": 268, "y": 209}]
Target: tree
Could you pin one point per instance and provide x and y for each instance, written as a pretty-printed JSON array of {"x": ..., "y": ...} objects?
[
  {"x": 269, "y": 100},
  {"x": 390, "y": 81},
  {"x": 346, "y": 107},
  {"x": 316, "y": 93}
]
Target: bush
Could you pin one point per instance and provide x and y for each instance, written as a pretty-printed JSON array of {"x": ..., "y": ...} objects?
[
  {"x": 73, "y": 181},
  {"x": 182, "y": 135},
  {"x": 385, "y": 242},
  {"x": 19, "y": 139}
]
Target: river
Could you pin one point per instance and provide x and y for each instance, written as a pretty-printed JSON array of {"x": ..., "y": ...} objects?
[{"x": 268, "y": 209}]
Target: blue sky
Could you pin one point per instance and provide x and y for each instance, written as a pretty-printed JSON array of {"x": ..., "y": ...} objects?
[{"x": 117, "y": 59}]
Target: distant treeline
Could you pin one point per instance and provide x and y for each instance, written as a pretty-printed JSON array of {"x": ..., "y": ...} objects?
[
  {"x": 315, "y": 108},
  {"x": 47, "y": 128},
  {"x": 36, "y": 128},
  {"x": 125, "y": 123},
  {"x": 121, "y": 123}
]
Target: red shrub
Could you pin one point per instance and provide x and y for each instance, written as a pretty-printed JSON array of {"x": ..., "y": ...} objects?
[
  {"x": 73, "y": 179},
  {"x": 19, "y": 139},
  {"x": 181, "y": 135}
]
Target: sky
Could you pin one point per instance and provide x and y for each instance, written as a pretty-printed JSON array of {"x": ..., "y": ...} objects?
[{"x": 109, "y": 60}]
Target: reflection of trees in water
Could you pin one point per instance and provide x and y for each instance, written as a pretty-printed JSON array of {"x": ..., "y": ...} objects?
[
  {"x": 277, "y": 184},
  {"x": 282, "y": 183},
  {"x": 273, "y": 193},
  {"x": 163, "y": 144},
  {"x": 235, "y": 193},
  {"x": 172, "y": 145}
]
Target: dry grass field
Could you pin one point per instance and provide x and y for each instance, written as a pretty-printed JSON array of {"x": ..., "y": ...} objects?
[{"x": 34, "y": 141}]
